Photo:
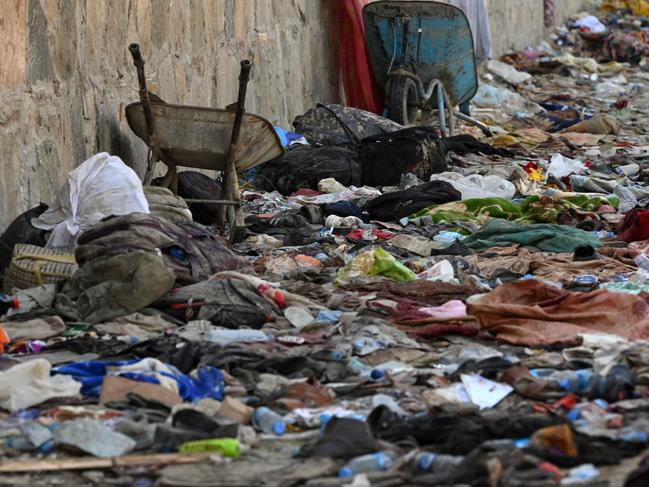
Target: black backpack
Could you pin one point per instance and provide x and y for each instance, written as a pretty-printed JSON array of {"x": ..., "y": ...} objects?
[
  {"x": 304, "y": 167},
  {"x": 398, "y": 204}
]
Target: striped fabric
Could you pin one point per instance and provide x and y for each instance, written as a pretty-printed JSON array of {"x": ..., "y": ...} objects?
[{"x": 33, "y": 266}]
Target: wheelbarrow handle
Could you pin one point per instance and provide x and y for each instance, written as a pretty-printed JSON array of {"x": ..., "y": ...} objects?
[
  {"x": 137, "y": 55},
  {"x": 244, "y": 74}
]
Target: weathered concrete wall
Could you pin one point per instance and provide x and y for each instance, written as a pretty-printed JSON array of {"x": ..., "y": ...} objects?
[
  {"x": 66, "y": 75},
  {"x": 516, "y": 24}
]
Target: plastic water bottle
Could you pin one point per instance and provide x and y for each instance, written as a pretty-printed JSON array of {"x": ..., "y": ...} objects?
[
  {"x": 374, "y": 462},
  {"x": 223, "y": 337},
  {"x": 642, "y": 261},
  {"x": 576, "y": 381},
  {"x": 365, "y": 371},
  {"x": 434, "y": 463},
  {"x": 268, "y": 421}
]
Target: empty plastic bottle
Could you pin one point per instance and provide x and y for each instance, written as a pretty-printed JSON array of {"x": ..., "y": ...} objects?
[
  {"x": 433, "y": 463},
  {"x": 223, "y": 337},
  {"x": 268, "y": 421},
  {"x": 374, "y": 462},
  {"x": 577, "y": 381},
  {"x": 363, "y": 370},
  {"x": 642, "y": 261}
]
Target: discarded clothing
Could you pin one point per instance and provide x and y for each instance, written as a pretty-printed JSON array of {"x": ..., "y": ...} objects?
[
  {"x": 385, "y": 157},
  {"x": 304, "y": 167},
  {"x": 534, "y": 314},
  {"x": 635, "y": 226},
  {"x": 204, "y": 382},
  {"x": 543, "y": 237},
  {"x": 188, "y": 249},
  {"x": 231, "y": 303},
  {"x": 115, "y": 286},
  {"x": 399, "y": 204},
  {"x": 164, "y": 204}
]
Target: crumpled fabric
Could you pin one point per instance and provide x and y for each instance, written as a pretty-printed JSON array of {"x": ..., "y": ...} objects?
[
  {"x": 554, "y": 267},
  {"x": 532, "y": 313},
  {"x": 543, "y": 237},
  {"x": 102, "y": 186},
  {"x": 119, "y": 285},
  {"x": 28, "y": 384},
  {"x": 164, "y": 204},
  {"x": 399, "y": 204},
  {"x": 203, "y": 382},
  {"x": 342, "y": 438},
  {"x": 599, "y": 124},
  {"x": 635, "y": 226}
]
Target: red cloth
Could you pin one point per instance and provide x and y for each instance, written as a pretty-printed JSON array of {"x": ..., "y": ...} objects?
[
  {"x": 360, "y": 89},
  {"x": 635, "y": 226}
]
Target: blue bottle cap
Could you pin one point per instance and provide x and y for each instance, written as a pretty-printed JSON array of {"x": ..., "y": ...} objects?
[
  {"x": 522, "y": 442},
  {"x": 279, "y": 428},
  {"x": 377, "y": 374},
  {"x": 573, "y": 415},
  {"x": 336, "y": 355},
  {"x": 563, "y": 384},
  {"x": 383, "y": 460},
  {"x": 47, "y": 447},
  {"x": 425, "y": 461},
  {"x": 345, "y": 472}
]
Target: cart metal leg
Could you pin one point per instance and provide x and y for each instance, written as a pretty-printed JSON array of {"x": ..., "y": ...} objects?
[{"x": 230, "y": 189}]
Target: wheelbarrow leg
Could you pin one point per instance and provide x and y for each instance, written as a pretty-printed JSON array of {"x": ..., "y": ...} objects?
[
  {"x": 138, "y": 61},
  {"x": 230, "y": 178}
]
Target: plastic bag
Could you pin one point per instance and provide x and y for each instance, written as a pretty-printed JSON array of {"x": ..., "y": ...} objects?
[
  {"x": 28, "y": 384},
  {"x": 477, "y": 186},
  {"x": 561, "y": 166},
  {"x": 375, "y": 262},
  {"x": 102, "y": 186},
  {"x": 507, "y": 72}
]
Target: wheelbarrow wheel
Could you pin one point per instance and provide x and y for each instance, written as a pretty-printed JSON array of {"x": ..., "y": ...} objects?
[{"x": 403, "y": 100}]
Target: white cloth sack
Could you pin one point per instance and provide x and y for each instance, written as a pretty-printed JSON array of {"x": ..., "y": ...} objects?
[
  {"x": 102, "y": 186},
  {"x": 28, "y": 384}
]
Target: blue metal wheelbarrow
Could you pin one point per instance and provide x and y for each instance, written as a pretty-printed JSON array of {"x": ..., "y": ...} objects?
[{"x": 422, "y": 54}]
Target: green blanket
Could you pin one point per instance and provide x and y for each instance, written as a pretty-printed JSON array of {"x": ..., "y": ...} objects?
[
  {"x": 534, "y": 209},
  {"x": 543, "y": 237}
]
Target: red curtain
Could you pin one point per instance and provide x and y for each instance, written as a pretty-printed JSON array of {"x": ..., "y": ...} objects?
[{"x": 360, "y": 89}]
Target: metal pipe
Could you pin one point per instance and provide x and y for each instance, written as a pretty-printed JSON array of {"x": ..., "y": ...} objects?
[{"x": 473, "y": 121}]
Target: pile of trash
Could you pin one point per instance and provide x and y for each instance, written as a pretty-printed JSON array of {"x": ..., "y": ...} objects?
[{"x": 404, "y": 309}]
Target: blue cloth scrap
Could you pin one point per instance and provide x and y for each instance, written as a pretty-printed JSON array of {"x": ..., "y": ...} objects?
[{"x": 203, "y": 382}]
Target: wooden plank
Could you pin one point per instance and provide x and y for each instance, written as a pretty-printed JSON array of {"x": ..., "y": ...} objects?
[{"x": 88, "y": 463}]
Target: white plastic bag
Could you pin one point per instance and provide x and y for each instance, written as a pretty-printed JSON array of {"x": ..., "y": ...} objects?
[
  {"x": 477, "y": 186},
  {"x": 507, "y": 72},
  {"x": 28, "y": 384},
  {"x": 102, "y": 186},
  {"x": 561, "y": 166}
]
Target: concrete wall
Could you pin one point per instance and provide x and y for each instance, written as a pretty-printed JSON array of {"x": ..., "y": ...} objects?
[
  {"x": 516, "y": 24},
  {"x": 66, "y": 75}
]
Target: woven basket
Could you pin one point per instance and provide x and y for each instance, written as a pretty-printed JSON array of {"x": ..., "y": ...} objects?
[{"x": 33, "y": 266}]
